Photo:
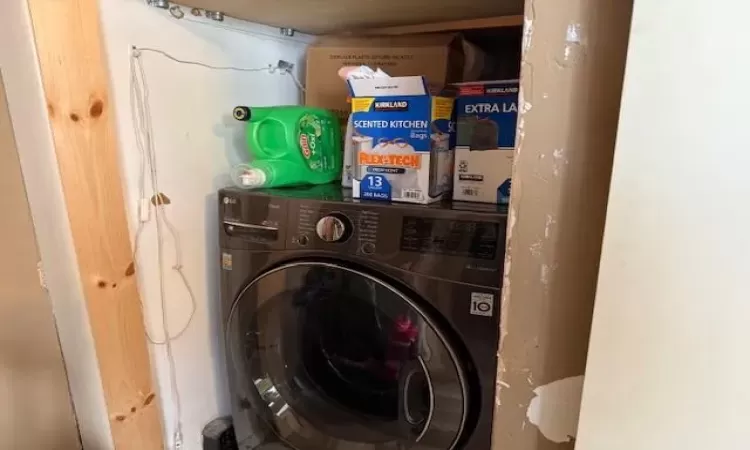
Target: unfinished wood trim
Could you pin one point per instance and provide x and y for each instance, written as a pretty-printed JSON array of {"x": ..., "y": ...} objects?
[
  {"x": 76, "y": 84},
  {"x": 454, "y": 25},
  {"x": 571, "y": 84}
]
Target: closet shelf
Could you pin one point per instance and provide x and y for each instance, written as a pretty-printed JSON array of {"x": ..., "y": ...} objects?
[{"x": 335, "y": 16}]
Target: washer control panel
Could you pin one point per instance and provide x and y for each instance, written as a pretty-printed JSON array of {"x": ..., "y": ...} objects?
[
  {"x": 436, "y": 239},
  {"x": 333, "y": 227}
]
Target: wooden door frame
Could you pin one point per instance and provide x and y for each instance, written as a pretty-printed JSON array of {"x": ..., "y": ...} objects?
[{"x": 75, "y": 78}]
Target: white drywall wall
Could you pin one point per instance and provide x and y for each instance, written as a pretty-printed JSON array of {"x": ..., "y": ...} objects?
[
  {"x": 28, "y": 110},
  {"x": 669, "y": 362},
  {"x": 196, "y": 142}
]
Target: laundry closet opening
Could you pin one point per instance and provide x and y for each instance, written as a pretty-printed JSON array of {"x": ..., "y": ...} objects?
[
  {"x": 537, "y": 89},
  {"x": 568, "y": 61}
]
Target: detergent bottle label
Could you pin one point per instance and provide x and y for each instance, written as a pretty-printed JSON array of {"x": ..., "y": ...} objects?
[
  {"x": 312, "y": 142},
  {"x": 291, "y": 146}
]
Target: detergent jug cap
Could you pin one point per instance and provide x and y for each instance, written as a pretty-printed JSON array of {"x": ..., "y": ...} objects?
[{"x": 252, "y": 178}]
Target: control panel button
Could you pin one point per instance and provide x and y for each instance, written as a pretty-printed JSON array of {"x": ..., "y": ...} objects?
[
  {"x": 303, "y": 240},
  {"x": 334, "y": 228},
  {"x": 368, "y": 248}
]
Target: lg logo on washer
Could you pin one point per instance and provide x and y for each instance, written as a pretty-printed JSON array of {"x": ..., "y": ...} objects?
[{"x": 482, "y": 304}]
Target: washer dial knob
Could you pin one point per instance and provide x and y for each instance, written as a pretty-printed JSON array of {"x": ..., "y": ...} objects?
[{"x": 334, "y": 228}]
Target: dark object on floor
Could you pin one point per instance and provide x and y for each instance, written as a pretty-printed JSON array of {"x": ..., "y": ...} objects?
[{"x": 219, "y": 435}]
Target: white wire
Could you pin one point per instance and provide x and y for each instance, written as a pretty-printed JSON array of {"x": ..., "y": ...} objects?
[
  {"x": 141, "y": 116},
  {"x": 140, "y": 111},
  {"x": 270, "y": 68},
  {"x": 143, "y": 130},
  {"x": 197, "y": 63},
  {"x": 297, "y": 81}
]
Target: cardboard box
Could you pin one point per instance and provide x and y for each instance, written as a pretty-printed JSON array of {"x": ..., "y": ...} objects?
[
  {"x": 402, "y": 135},
  {"x": 486, "y": 117},
  {"x": 441, "y": 58}
]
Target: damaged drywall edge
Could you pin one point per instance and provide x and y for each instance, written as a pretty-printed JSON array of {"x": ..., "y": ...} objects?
[
  {"x": 528, "y": 32},
  {"x": 559, "y": 161},
  {"x": 536, "y": 248},
  {"x": 574, "y": 49},
  {"x": 549, "y": 222},
  {"x": 512, "y": 216},
  {"x": 545, "y": 275},
  {"x": 524, "y": 108},
  {"x": 525, "y": 94},
  {"x": 504, "y": 302},
  {"x": 556, "y": 407},
  {"x": 528, "y": 25},
  {"x": 520, "y": 133},
  {"x": 573, "y": 42}
]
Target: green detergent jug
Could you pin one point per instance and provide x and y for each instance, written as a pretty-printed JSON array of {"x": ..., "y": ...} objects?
[{"x": 290, "y": 146}]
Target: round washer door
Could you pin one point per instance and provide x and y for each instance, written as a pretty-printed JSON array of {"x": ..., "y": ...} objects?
[{"x": 334, "y": 358}]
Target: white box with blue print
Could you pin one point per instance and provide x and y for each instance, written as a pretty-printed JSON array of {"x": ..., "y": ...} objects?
[{"x": 402, "y": 138}]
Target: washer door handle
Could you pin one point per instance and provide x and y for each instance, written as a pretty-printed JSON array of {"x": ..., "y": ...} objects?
[{"x": 416, "y": 378}]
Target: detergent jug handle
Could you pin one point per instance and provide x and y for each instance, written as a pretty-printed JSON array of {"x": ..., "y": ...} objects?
[{"x": 258, "y": 119}]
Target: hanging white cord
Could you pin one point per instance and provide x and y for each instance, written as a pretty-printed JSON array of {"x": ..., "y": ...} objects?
[
  {"x": 143, "y": 130},
  {"x": 140, "y": 109},
  {"x": 141, "y": 117},
  {"x": 297, "y": 82}
]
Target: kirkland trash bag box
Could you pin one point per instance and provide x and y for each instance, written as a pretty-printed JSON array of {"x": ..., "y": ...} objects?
[
  {"x": 487, "y": 113},
  {"x": 402, "y": 135}
]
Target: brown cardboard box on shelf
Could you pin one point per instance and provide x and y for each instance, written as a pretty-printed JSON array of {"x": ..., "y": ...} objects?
[{"x": 441, "y": 58}]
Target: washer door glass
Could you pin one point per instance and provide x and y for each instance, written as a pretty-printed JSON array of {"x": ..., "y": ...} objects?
[{"x": 333, "y": 358}]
